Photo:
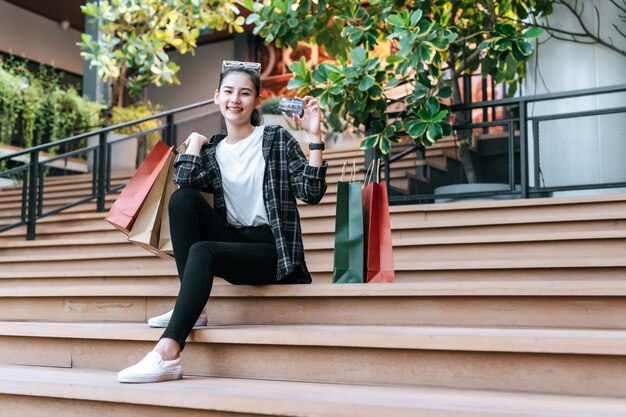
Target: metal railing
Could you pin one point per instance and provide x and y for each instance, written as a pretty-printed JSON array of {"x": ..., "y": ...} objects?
[
  {"x": 530, "y": 147},
  {"x": 34, "y": 169}
]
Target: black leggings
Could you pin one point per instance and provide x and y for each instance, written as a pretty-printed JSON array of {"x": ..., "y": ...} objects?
[{"x": 204, "y": 247}]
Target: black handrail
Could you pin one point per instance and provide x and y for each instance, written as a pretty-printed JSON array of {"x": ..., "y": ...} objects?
[
  {"x": 33, "y": 170},
  {"x": 521, "y": 120}
]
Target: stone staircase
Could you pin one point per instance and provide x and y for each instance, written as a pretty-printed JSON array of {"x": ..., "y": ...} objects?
[{"x": 507, "y": 308}]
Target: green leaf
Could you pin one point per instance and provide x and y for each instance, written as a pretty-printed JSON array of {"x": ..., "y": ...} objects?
[
  {"x": 505, "y": 29},
  {"x": 384, "y": 145},
  {"x": 294, "y": 83},
  {"x": 525, "y": 47},
  {"x": 416, "y": 16},
  {"x": 299, "y": 68},
  {"x": 484, "y": 45},
  {"x": 532, "y": 33},
  {"x": 416, "y": 128},
  {"x": 292, "y": 22},
  {"x": 358, "y": 56},
  {"x": 440, "y": 116},
  {"x": 319, "y": 76},
  {"x": 434, "y": 132},
  {"x": 369, "y": 142},
  {"x": 433, "y": 106},
  {"x": 427, "y": 52},
  {"x": 252, "y": 17},
  {"x": 375, "y": 92},
  {"x": 392, "y": 59},
  {"x": 441, "y": 43},
  {"x": 392, "y": 83},
  {"x": 353, "y": 34},
  {"x": 444, "y": 92},
  {"x": 351, "y": 72},
  {"x": 502, "y": 44},
  {"x": 394, "y": 20},
  {"x": 249, "y": 4},
  {"x": 366, "y": 83}
]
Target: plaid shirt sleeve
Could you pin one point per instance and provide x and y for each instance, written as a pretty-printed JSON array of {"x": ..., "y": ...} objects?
[
  {"x": 191, "y": 171},
  {"x": 308, "y": 183}
]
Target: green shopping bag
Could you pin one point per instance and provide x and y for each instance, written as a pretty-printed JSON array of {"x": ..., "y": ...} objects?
[{"x": 348, "y": 266}]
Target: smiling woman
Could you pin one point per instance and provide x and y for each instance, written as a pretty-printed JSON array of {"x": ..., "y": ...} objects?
[{"x": 251, "y": 235}]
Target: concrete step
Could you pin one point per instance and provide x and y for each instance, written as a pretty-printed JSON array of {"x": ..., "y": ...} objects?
[
  {"x": 55, "y": 192},
  {"x": 450, "y": 219},
  {"x": 578, "y": 362},
  {"x": 75, "y": 392},
  {"x": 567, "y": 250},
  {"x": 591, "y": 303},
  {"x": 93, "y": 238}
]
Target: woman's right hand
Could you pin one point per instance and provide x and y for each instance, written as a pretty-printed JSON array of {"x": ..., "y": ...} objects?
[
  {"x": 196, "y": 137},
  {"x": 195, "y": 142}
]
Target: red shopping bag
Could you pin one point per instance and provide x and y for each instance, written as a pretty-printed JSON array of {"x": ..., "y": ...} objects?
[
  {"x": 126, "y": 208},
  {"x": 377, "y": 228}
]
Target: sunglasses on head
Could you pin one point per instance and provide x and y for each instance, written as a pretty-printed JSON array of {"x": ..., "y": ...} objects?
[{"x": 255, "y": 66}]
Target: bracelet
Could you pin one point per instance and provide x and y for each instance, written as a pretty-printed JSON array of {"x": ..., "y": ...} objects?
[{"x": 317, "y": 146}]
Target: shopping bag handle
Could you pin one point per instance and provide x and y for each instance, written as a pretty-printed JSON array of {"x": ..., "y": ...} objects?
[
  {"x": 370, "y": 171},
  {"x": 182, "y": 148},
  {"x": 352, "y": 175}
]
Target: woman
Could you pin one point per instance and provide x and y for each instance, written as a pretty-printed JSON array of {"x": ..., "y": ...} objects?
[{"x": 252, "y": 234}]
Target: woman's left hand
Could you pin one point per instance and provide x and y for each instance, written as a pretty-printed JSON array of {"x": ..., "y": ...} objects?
[{"x": 311, "y": 120}]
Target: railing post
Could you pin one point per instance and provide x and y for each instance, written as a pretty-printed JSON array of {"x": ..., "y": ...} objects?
[
  {"x": 102, "y": 167},
  {"x": 32, "y": 196},
  {"x": 523, "y": 150},
  {"x": 168, "y": 136}
]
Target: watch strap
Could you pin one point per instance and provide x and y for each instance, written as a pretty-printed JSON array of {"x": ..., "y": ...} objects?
[{"x": 317, "y": 146}]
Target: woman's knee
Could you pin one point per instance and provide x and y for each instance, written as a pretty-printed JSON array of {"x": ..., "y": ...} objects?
[{"x": 201, "y": 250}]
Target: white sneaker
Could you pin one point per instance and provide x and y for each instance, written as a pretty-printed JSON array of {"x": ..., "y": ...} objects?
[
  {"x": 152, "y": 369},
  {"x": 164, "y": 319}
]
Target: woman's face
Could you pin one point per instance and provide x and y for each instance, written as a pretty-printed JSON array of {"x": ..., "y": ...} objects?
[{"x": 237, "y": 98}]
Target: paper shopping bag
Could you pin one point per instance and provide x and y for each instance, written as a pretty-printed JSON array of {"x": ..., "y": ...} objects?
[
  {"x": 377, "y": 229},
  {"x": 348, "y": 253},
  {"x": 126, "y": 208},
  {"x": 146, "y": 230}
]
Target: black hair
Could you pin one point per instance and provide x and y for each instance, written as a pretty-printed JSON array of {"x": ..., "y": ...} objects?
[{"x": 256, "y": 119}]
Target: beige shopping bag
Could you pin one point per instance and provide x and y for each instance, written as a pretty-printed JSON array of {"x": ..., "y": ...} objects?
[{"x": 146, "y": 230}]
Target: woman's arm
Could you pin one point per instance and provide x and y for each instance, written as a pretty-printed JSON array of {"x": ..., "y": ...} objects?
[
  {"x": 311, "y": 122},
  {"x": 190, "y": 169},
  {"x": 306, "y": 181}
]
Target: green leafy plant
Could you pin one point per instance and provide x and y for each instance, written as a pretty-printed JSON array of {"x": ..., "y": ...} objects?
[
  {"x": 35, "y": 108},
  {"x": 11, "y": 102},
  {"x": 138, "y": 36}
]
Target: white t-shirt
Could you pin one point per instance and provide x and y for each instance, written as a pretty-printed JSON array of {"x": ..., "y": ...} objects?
[{"x": 243, "y": 167}]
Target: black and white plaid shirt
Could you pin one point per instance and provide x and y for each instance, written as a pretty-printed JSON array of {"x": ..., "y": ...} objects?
[{"x": 287, "y": 175}]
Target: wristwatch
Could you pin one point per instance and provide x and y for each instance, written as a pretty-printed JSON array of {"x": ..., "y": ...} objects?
[{"x": 317, "y": 146}]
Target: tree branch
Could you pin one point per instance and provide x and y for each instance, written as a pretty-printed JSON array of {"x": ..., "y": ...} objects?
[
  {"x": 570, "y": 40},
  {"x": 466, "y": 63},
  {"x": 587, "y": 32}
]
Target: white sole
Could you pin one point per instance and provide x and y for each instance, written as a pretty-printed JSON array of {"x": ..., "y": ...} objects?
[
  {"x": 144, "y": 379},
  {"x": 164, "y": 324}
]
